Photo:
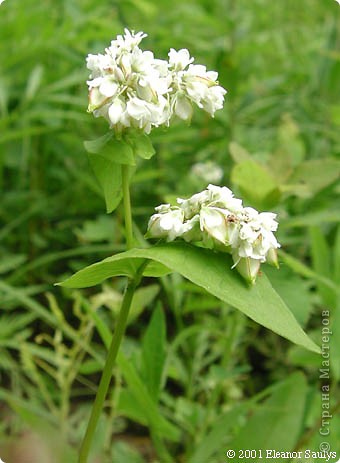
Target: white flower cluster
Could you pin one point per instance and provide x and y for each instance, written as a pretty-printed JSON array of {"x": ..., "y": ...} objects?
[
  {"x": 218, "y": 220},
  {"x": 131, "y": 88}
]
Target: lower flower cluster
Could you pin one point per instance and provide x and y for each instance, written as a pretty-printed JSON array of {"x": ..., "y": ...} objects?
[{"x": 215, "y": 219}]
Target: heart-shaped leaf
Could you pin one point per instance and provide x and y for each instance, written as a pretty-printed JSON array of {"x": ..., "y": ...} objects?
[
  {"x": 106, "y": 154},
  {"x": 109, "y": 177}
]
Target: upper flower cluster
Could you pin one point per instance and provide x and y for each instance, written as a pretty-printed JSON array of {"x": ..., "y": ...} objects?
[
  {"x": 131, "y": 88},
  {"x": 218, "y": 220}
]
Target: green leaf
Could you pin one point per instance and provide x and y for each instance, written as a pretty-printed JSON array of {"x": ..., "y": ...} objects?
[
  {"x": 33, "y": 82},
  {"x": 314, "y": 218},
  {"x": 336, "y": 255},
  {"x": 147, "y": 405},
  {"x": 106, "y": 154},
  {"x": 294, "y": 290},
  {"x": 129, "y": 407},
  {"x": 290, "y": 141},
  {"x": 303, "y": 358},
  {"x": 97, "y": 230},
  {"x": 27, "y": 410},
  {"x": 238, "y": 153},
  {"x": 216, "y": 437},
  {"x": 321, "y": 258},
  {"x": 125, "y": 453},
  {"x": 141, "y": 144},
  {"x": 267, "y": 427},
  {"x": 256, "y": 184},
  {"x": 116, "y": 151},
  {"x": 142, "y": 297},
  {"x": 212, "y": 271},
  {"x": 156, "y": 269},
  {"x": 96, "y": 146},
  {"x": 334, "y": 341},
  {"x": 109, "y": 177},
  {"x": 303, "y": 270},
  {"x": 316, "y": 174},
  {"x": 122, "y": 264},
  {"x": 153, "y": 353},
  {"x": 280, "y": 166},
  {"x": 11, "y": 261}
]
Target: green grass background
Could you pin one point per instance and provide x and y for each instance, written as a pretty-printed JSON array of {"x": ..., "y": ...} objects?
[{"x": 278, "y": 142}]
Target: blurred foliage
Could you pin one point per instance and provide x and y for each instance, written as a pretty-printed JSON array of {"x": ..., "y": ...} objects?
[{"x": 195, "y": 377}]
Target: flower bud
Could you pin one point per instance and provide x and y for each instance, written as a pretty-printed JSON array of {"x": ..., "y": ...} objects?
[
  {"x": 96, "y": 99},
  {"x": 271, "y": 258},
  {"x": 183, "y": 108},
  {"x": 116, "y": 111},
  {"x": 248, "y": 268}
]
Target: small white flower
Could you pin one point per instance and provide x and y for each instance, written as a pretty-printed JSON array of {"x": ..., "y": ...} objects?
[
  {"x": 108, "y": 87},
  {"x": 214, "y": 99},
  {"x": 117, "y": 113},
  {"x": 182, "y": 107},
  {"x": 96, "y": 99},
  {"x": 201, "y": 87},
  {"x": 166, "y": 224},
  {"x": 267, "y": 221},
  {"x": 213, "y": 222},
  {"x": 126, "y": 42},
  {"x": 163, "y": 208},
  {"x": 248, "y": 233},
  {"x": 224, "y": 197},
  {"x": 179, "y": 60},
  {"x": 192, "y": 206},
  {"x": 97, "y": 64}
]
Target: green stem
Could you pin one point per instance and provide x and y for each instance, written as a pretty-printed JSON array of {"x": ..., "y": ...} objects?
[
  {"x": 127, "y": 207},
  {"x": 119, "y": 331},
  {"x": 107, "y": 372}
]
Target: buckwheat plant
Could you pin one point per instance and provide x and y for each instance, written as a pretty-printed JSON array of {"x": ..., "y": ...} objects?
[{"x": 202, "y": 237}]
